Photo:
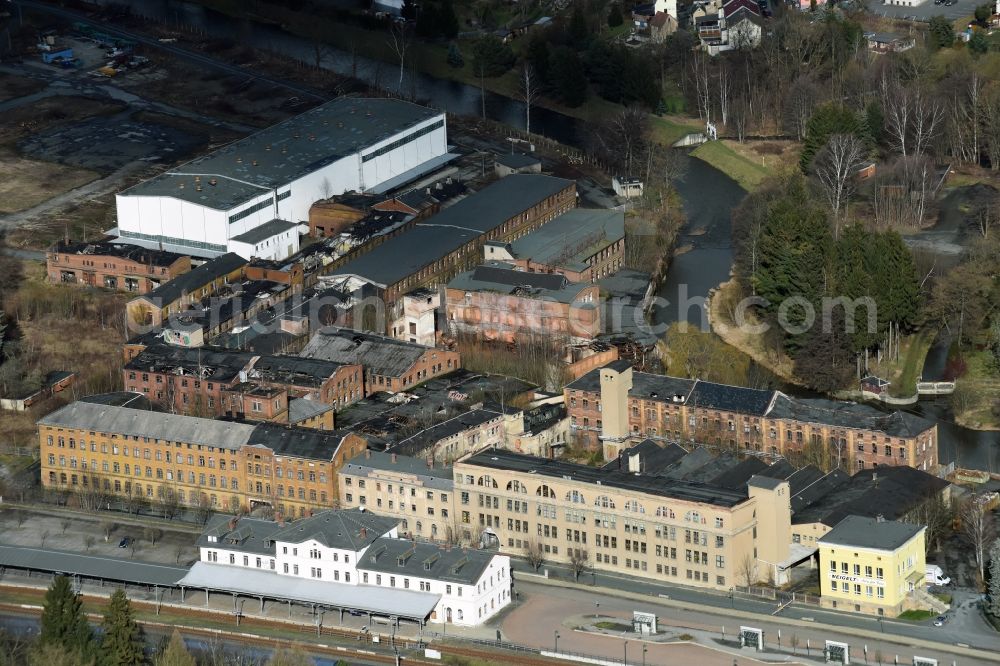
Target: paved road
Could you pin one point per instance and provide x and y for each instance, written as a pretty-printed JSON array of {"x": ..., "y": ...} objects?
[
  {"x": 173, "y": 49},
  {"x": 969, "y": 628},
  {"x": 547, "y": 608}
]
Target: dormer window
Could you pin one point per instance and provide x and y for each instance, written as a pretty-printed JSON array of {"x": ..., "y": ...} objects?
[{"x": 213, "y": 539}]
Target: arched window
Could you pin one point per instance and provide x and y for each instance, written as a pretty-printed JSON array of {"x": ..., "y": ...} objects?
[
  {"x": 516, "y": 487},
  {"x": 545, "y": 491},
  {"x": 664, "y": 512},
  {"x": 604, "y": 502},
  {"x": 634, "y": 507},
  {"x": 693, "y": 517},
  {"x": 575, "y": 497},
  {"x": 486, "y": 480}
]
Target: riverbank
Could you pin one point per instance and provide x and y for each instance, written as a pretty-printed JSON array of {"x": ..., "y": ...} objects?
[
  {"x": 749, "y": 163},
  {"x": 721, "y": 302}
]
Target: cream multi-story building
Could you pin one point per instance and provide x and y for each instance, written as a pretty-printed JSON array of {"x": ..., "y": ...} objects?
[
  {"x": 414, "y": 491},
  {"x": 624, "y": 521}
]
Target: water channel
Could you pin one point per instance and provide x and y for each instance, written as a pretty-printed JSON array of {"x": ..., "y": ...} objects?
[{"x": 708, "y": 195}]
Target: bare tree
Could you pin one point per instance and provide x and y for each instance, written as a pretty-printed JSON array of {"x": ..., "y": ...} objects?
[
  {"x": 801, "y": 102},
  {"x": 529, "y": 92},
  {"x": 535, "y": 554},
  {"x": 151, "y": 534},
  {"x": 399, "y": 42},
  {"x": 898, "y": 111},
  {"x": 579, "y": 560},
  {"x": 746, "y": 569},
  {"x": 937, "y": 515},
  {"x": 835, "y": 167},
  {"x": 977, "y": 530},
  {"x": 88, "y": 542},
  {"x": 205, "y": 509},
  {"x": 170, "y": 503},
  {"x": 65, "y": 524},
  {"x": 927, "y": 118},
  {"x": 107, "y": 529},
  {"x": 45, "y": 537},
  {"x": 702, "y": 82},
  {"x": 725, "y": 90},
  {"x": 178, "y": 551}
]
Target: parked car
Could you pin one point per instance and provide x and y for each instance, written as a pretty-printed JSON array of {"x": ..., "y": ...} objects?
[
  {"x": 939, "y": 621},
  {"x": 125, "y": 542}
]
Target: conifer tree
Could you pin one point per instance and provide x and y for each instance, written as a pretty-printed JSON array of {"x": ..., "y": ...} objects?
[
  {"x": 63, "y": 622},
  {"x": 122, "y": 643},
  {"x": 176, "y": 653}
]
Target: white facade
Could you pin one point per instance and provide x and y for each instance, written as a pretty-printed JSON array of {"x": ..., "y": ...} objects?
[
  {"x": 277, "y": 247},
  {"x": 418, "y": 321},
  {"x": 178, "y": 210},
  {"x": 463, "y": 603}
]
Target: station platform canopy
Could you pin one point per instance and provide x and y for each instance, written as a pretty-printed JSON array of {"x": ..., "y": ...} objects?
[
  {"x": 114, "y": 569},
  {"x": 390, "y": 602}
]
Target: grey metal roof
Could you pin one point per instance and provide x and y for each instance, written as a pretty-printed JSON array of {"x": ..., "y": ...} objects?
[
  {"x": 517, "y": 160},
  {"x": 264, "y": 231},
  {"x": 425, "y": 560},
  {"x": 300, "y": 409},
  {"x": 347, "y": 529},
  {"x": 397, "y": 602},
  {"x": 285, "y": 152},
  {"x": 571, "y": 238},
  {"x": 459, "y": 224},
  {"x": 90, "y": 566},
  {"x": 247, "y": 535},
  {"x": 862, "y": 532},
  {"x": 196, "y": 278},
  {"x": 379, "y": 354},
  {"x": 141, "y": 423},
  {"x": 653, "y": 458},
  {"x": 653, "y": 485},
  {"x": 439, "y": 476}
]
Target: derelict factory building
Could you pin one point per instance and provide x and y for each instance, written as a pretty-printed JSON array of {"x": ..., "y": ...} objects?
[{"x": 251, "y": 196}]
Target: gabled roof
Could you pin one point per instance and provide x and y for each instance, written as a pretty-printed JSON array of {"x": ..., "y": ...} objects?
[
  {"x": 245, "y": 534},
  {"x": 142, "y": 423},
  {"x": 425, "y": 560},
  {"x": 348, "y": 529},
  {"x": 730, "y": 398},
  {"x": 731, "y": 7},
  {"x": 196, "y": 278},
  {"x": 862, "y": 532}
]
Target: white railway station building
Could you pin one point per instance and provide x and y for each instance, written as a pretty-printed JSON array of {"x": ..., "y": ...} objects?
[
  {"x": 351, "y": 559},
  {"x": 222, "y": 201}
]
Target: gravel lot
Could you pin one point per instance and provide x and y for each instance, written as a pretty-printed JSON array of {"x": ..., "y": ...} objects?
[{"x": 70, "y": 534}]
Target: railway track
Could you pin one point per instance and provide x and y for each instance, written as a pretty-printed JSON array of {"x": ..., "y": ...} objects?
[{"x": 366, "y": 649}]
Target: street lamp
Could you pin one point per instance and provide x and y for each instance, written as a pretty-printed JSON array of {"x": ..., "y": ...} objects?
[
  {"x": 626, "y": 654},
  {"x": 644, "y": 648},
  {"x": 556, "y": 634},
  {"x": 597, "y": 608}
]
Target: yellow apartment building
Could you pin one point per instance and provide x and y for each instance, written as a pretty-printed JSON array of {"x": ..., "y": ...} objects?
[
  {"x": 875, "y": 566},
  {"x": 94, "y": 449}
]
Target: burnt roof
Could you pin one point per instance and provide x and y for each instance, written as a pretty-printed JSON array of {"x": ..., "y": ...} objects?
[{"x": 134, "y": 253}]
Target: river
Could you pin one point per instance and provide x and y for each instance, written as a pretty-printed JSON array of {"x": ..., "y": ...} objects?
[{"x": 708, "y": 195}]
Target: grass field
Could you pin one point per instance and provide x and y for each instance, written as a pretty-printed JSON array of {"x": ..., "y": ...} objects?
[
  {"x": 25, "y": 182},
  {"x": 666, "y": 130},
  {"x": 916, "y": 615},
  {"x": 745, "y": 172}
]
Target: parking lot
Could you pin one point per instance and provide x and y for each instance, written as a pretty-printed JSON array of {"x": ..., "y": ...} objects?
[
  {"x": 924, "y": 11},
  {"x": 87, "y": 536}
]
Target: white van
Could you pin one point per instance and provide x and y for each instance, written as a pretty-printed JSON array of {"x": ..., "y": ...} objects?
[{"x": 935, "y": 575}]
